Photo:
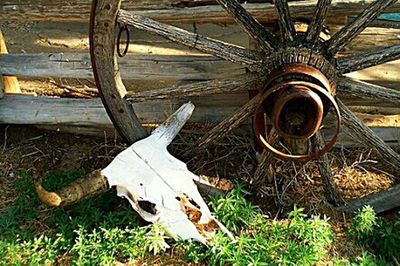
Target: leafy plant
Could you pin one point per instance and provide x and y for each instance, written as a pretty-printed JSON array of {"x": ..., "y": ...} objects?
[
  {"x": 376, "y": 233},
  {"x": 297, "y": 240},
  {"x": 233, "y": 209}
]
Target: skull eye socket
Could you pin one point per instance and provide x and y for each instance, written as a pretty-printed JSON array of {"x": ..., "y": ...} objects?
[{"x": 147, "y": 206}]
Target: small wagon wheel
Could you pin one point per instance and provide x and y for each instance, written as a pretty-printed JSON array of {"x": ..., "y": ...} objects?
[{"x": 294, "y": 67}]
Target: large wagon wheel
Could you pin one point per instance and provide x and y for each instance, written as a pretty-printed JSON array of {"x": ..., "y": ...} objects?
[{"x": 296, "y": 75}]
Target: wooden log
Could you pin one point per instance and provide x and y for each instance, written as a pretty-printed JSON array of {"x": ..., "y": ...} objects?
[
  {"x": 134, "y": 67},
  {"x": 343, "y": 37},
  {"x": 357, "y": 62},
  {"x": 10, "y": 83},
  {"x": 381, "y": 201},
  {"x": 192, "y": 40},
  {"x": 266, "y": 41},
  {"x": 78, "y": 10}
]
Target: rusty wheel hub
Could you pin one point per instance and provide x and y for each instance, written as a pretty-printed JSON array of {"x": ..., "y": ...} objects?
[{"x": 298, "y": 94}]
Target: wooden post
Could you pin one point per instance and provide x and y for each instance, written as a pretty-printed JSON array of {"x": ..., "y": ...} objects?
[{"x": 10, "y": 84}]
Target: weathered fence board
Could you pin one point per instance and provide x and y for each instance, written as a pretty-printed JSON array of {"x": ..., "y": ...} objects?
[
  {"x": 157, "y": 67},
  {"x": 169, "y": 11},
  {"x": 88, "y": 116},
  {"x": 143, "y": 67}
]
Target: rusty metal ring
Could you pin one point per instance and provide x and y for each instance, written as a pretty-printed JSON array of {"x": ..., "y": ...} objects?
[
  {"x": 297, "y": 68},
  {"x": 123, "y": 28},
  {"x": 300, "y": 157}
]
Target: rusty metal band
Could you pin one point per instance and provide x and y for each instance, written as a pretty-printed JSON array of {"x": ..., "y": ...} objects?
[
  {"x": 297, "y": 68},
  {"x": 123, "y": 28},
  {"x": 298, "y": 157}
]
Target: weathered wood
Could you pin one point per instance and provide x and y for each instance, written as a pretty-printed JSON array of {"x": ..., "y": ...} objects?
[
  {"x": 331, "y": 193},
  {"x": 9, "y": 83},
  {"x": 342, "y": 38},
  {"x": 285, "y": 21},
  {"x": 88, "y": 116},
  {"x": 23, "y": 109},
  {"x": 240, "y": 83},
  {"x": 381, "y": 201},
  {"x": 106, "y": 71},
  {"x": 318, "y": 21},
  {"x": 231, "y": 122},
  {"x": 192, "y": 40},
  {"x": 265, "y": 40},
  {"x": 1, "y": 87},
  {"x": 264, "y": 171},
  {"x": 357, "y": 62},
  {"x": 380, "y": 120},
  {"x": 348, "y": 86},
  {"x": 78, "y": 10},
  {"x": 134, "y": 67},
  {"x": 367, "y": 136}
]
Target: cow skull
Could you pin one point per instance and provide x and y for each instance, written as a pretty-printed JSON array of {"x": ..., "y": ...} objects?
[{"x": 157, "y": 185}]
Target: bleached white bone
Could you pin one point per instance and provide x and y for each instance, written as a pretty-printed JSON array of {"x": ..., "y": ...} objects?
[{"x": 159, "y": 186}]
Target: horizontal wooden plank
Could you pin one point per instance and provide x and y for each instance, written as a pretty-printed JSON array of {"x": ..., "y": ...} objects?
[
  {"x": 143, "y": 67},
  {"x": 22, "y": 109},
  {"x": 159, "y": 67},
  {"x": 88, "y": 116},
  {"x": 169, "y": 11}
]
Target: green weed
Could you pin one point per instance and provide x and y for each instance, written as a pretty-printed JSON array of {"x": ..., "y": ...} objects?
[
  {"x": 105, "y": 230},
  {"x": 295, "y": 241},
  {"x": 376, "y": 233},
  {"x": 99, "y": 231}
]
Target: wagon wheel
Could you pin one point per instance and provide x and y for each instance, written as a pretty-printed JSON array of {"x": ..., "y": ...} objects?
[{"x": 295, "y": 73}]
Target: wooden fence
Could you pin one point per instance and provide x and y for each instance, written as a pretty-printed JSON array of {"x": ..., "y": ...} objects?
[{"x": 159, "y": 68}]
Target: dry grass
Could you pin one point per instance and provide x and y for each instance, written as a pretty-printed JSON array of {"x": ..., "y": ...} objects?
[{"x": 355, "y": 172}]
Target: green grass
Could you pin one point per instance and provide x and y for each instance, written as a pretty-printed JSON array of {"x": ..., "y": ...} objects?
[
  {"x": 94, "y": 232},
  {"x": 104, "y": 230}
]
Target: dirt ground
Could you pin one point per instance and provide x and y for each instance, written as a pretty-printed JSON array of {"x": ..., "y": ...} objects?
[{"x": 357, "y": 172}]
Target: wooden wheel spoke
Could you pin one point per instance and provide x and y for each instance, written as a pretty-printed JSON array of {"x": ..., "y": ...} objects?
[
  {"x": 240, "y": 83},
  {"x": 367, "y": 136},
  {"x": 317, "y": 22},
  {"x": 324, "y": 167},
  {"x": 285, "y": 22},
  {"x": 351, "y": 30},
  {"x": 230, "y": 123},
  {"x": 256, "y": 31},
  {"x": 367, "y": 90},
  {"x": 374, "y": 58},
  {"x": 263, "y": 173},
  {"x": 207, "y": 45}
]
